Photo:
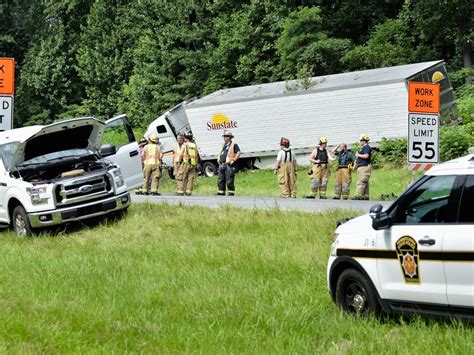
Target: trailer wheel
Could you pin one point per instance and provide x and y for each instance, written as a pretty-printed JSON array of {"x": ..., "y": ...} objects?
[{"x": 209, "y": 169}]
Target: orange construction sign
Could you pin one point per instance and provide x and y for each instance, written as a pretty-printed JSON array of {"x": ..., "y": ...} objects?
[
  {"x": 423, "y": 97},
  {"x": 7, "y": 76}
]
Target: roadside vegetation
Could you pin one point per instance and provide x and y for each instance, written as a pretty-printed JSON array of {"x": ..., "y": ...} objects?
[
  {"x": 166, "y": 280},
  {"x": 101, "y": 58},
  {"x": 386, "y": 183}
]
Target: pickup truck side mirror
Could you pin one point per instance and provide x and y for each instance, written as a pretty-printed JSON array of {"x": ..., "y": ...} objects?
[
  {"x": 107, "y": 150},
  {"x": 380, "y": 219}
]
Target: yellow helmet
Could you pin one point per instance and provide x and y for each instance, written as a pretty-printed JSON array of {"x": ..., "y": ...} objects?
[
  {"x": 153, "y": 138},
  {"x": 364, "y": 137},
  {"x": 323, "y": 140}
]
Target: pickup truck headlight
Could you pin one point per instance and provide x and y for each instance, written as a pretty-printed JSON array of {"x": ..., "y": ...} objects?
[
  {"x": 38, "y": 195},
  {"x": 118, "y": 177}
]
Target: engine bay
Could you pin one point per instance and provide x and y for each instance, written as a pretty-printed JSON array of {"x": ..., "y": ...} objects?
[{"x": 52, "y": 172}]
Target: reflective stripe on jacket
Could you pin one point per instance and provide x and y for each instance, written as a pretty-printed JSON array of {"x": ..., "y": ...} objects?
[
  {"x": 230, "y": 153},
  {"x": 177, "y": 152},
  {"x": 190, "y": 153},
  {"x": 151, "y": 154}
]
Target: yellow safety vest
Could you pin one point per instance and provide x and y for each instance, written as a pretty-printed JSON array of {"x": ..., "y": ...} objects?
[
  {"x": 178, "y": 152},
  {"x": 230, "y": 153},
  {"x": 190, "y": 153},
  {"x": 152, "y": 154}
]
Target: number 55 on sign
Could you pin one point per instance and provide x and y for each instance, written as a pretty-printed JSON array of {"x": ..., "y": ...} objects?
[{"x": 423, "y": 138}]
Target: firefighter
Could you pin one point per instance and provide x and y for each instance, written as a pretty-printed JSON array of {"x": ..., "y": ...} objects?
[
  {"x": 285, "y": 168},
  {"x": 141, "y": 143},
  {"x": 228, "y": 156},
  {"x": 177, "y": 152},
  {"x": 364, "y": 168},
  {"x": 343, "y": 173},
  {"x": 187, "y": 170},
  {"x": 152, "y": 158},
  {"x": 319, "y": 174}
]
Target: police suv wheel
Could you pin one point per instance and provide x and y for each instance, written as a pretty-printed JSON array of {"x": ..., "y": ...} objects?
[
  {"x": 355, "y": 294},
  {"x": 21, "y": 223}
]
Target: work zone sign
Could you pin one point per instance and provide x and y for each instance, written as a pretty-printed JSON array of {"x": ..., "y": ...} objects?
[
  {"x": 7, "y": 76},
  {"x": 423, "y": 97},
  {"x": 6, "y": 113}
]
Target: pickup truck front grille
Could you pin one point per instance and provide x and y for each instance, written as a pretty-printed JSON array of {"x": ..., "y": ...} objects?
[{"x": 83, "y": 189}]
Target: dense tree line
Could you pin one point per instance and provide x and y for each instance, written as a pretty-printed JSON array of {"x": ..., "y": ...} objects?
[{"x": 141, "y": 57}]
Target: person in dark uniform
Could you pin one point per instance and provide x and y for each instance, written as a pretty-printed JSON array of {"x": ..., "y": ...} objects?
[{"x": 228, "y": 155}]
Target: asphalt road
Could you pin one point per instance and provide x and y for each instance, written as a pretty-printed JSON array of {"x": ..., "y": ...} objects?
[{"x": 297, "y": 204}]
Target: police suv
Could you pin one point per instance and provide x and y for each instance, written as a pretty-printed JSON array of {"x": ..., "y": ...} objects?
[{"x": 416, "y": 256}]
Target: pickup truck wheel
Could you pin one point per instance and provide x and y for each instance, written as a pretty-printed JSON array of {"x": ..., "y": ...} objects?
[
  {"x": 356, "y": 294},
  {"x": 209, "y": 169},
  {"x": 21, "y": 223}
]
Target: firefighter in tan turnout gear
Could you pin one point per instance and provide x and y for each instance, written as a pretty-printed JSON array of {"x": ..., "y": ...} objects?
[
  {"x": 319, "y": 174},
  {"x": 364, "y": 168},
  {"x": 151, "y": 157},
  {"x": 343, "y": 174},
  {"x": 285, "y": 168},
  {"x": 187, "y": 169},
  {"x": 177, "y": 152},
  {"x": 228, "y": 155}
]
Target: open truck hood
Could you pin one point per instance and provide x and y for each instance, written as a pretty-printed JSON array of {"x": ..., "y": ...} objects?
[{"x": 77, "y": 133}]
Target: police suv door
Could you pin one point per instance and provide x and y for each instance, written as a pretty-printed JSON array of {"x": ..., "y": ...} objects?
[
  {"x": 458, "y": 250},
  {"x": 412, "y": 270},
  {"x": 119, "y": 133}
]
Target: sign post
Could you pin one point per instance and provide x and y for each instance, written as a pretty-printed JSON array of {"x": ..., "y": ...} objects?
[
  {"x": 7, "y": 90},
  {"x": 423, "y": 125}
]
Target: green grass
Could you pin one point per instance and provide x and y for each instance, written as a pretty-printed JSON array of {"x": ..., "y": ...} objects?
[
  {"x": 385, "y": 181},
  {"x": 166, "y": 280}
]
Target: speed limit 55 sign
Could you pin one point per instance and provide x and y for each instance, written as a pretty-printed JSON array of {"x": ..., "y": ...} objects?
[{"x": 423, "y": 138}]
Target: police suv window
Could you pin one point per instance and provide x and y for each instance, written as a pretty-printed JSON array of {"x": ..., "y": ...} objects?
[
  {"x": 428, "y": 203},
  {"x": 466, "y": 212}
]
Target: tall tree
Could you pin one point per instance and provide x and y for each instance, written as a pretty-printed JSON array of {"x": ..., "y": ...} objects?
[
  {"x": 49, "y": 82},
  {"x": 304, "y": 44}
]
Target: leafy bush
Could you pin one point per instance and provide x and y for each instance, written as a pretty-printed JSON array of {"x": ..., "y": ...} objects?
[
  {"x": 456, "y": 140},
  {"x": 394, "y": 151}
]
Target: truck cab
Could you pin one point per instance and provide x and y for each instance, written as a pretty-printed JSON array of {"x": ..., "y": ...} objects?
[
  {"x": 62, "y": 172},
  {"x": 166, "y": 127},
  {"x": 417, "y": 256}
]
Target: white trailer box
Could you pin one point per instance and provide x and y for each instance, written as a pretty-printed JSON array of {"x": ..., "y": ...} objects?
[{"x": 339, "y": 107}]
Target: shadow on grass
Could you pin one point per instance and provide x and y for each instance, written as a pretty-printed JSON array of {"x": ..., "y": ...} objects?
[{"x": 72, "y": 227}]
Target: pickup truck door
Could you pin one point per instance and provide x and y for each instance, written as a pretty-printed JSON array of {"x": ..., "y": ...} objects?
[
  {"x": 119, "y": 133},
  {"x": 458, "y": 251},
  {"x": 3, "y": 201},
  {"x": 414, "y": 272}
]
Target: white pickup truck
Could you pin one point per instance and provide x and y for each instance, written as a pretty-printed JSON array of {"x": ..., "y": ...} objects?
[{"x": 62, "y": 172}]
